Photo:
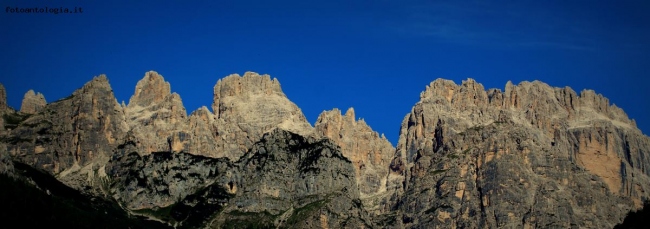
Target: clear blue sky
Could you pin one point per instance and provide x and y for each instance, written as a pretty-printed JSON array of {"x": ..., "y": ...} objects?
[{"x": 376, "y": 56}]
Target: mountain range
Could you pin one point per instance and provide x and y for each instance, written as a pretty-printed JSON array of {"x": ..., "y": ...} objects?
[{"x": 532, "y": 156}]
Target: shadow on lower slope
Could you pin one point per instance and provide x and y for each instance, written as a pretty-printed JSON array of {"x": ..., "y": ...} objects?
[
  {"x": 50, "y": 203},
  {"x": 637, "y": 219}
]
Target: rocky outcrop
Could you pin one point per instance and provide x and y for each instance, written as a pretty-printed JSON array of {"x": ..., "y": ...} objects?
[
  {"x": 284, "y": 180},
  {"x": 157, "y": 117},
  {"x": 72, "y": 138},
  {"x": 32, "y": 102},
  {"x": 202, "y": 137},
  {"x": 246, "y": 107},
  {"x": 6, "y": 165},
  {"x": 3, "y": 98},
  {"x": 534, "y": 156},
  {"x": 293, "y": 181},
  {"x": 369, "y": 152},
  {"x": 161, "y": 179}
]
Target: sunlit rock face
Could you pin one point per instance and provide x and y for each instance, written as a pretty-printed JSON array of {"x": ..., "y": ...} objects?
[
  {"x": 245, "y": 107},
  {"x": 534, "y": 156},
  {"x": 32, "y": 102},
  {"x": 73, "y": 137},
  {"x": 156, "y": 116}
]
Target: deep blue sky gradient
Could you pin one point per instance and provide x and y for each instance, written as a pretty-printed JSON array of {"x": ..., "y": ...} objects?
[{"x": 376, "y": 56}]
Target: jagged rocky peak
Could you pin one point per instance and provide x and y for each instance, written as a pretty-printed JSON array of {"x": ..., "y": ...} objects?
[
  {"x": 32, "y": 102},
  {"x": 245, "y": 107},
  {"x": 72, "y": 137},
  {"x": 468, "y": 94},
  {"x": 545, "y": 106},
  {"x": 151, "y": 89},
  {"x": 248, "y": 85},
  {"x": 156, "y": 116},
  {"x": 369, "y": 152},
  {"x": 153, "y": 94},
  {"x": 203, "y": 113},
  {"x": 532, "y": 138},
  {"x": 99, "y": 82},
  {"x": 440, "y": 87},
  {"x": 332, "y": 120},
  {"x": 592, "y": 101}
]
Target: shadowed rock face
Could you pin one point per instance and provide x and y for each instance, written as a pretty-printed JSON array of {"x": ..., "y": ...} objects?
[
  {"x": 161, "y": 179},
  {"x": 533, "y": 156},
  {"x": 32, "y": 102},
  {"x": 284, "y": 180},
  {"x": 295, "y": 181}
]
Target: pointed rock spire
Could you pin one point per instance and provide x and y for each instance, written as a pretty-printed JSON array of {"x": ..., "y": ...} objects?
[
  {"x": 349, "y": 115},
  {"x": 32, "y": 102},
  {"x": 150, "y": 90},
  {"x": 156, "y": 116},
  {"x": 246, "y": 107}
]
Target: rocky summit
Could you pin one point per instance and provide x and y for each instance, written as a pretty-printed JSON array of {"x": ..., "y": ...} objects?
[
  {"x": 532, "y": 156},
  {"x": 32, "y": 102}
]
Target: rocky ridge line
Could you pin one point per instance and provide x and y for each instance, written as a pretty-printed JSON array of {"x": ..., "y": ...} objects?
[
  {"x": 472, "y": 154},
  {"x": 531, "y": 156}
]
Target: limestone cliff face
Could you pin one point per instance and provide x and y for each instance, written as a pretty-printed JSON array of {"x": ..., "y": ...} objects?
[
  {"x": 245, "y": 107},
  {"x": 32, "y": 102},
  {"x": 156, "y": 116},
  {"x": 534, "y": 156},
  {"x": 203, "y": 133},
  {"x": 370, "y": 153},
  {"x": 72, "y": 138}
]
